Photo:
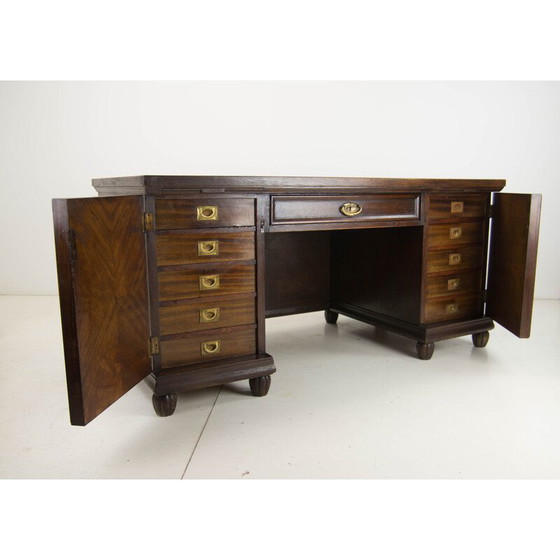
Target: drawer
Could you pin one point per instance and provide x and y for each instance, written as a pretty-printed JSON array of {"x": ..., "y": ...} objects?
[
  {"x": 183, "y": 248},
  {"x": 204, "y": 213},
  {"x": 460, "y": 306},
  {"x": 454, "y": 284},
  {"x": 206, "y": 313},
  {"x": 206, "y": 281},
  {"x": 456, "y": 234},
  {"x": 314, "y": 209},
  {"x": 207, "y": 346},
  {"x": 457, "y": 206},
  {"x": 450, "y": 260}
]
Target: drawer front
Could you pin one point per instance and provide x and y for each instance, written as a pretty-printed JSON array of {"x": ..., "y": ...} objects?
[
  {"x": 180, "y": 248},
  {"x": 206, "y": 281},
  {"x": 204, "y": 213},
  {"x": 454, "y": 307},
  {"x": 206, "y": 313},
  {"x": 454, "y": 284},
  {"x": 451, "y": 260},
  {"x": 457, "y": 207},
  {"x": 310, "y": 209},
  {"x": 208, "y": 346},
  {"x": 456, "y": 234}
]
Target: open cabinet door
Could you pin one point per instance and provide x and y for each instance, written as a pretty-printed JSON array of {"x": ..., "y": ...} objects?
[
  {"x": 102, "y": 279},
  {"x": 513, "y": 260}
]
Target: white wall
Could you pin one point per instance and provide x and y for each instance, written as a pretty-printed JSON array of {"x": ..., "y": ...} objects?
[{"x": 56, "y": 136}]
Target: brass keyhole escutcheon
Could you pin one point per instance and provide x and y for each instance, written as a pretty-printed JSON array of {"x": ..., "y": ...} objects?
[
  {"x": 212, "y": 347},
  {"x": 207, "y": 248},
  {"x": 350, "y": 208},
  {"x": 209, "y": 315},
  {"x": 451, "y": 308},
  {"x": 456, "y": 207},
  {"x": 209, "y": 282},
  {"x": 455, "y": 258},
  {"x": 206, "y": 212},
  {"x": 453, "y": 284}
]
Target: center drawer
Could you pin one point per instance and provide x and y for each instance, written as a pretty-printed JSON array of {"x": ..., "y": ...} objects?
[{"x": 317, "y": 209}]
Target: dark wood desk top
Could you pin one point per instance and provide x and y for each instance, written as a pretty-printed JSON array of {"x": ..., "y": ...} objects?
[{"x": 166, "y": 184}]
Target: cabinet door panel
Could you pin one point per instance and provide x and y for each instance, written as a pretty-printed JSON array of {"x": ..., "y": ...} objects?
[
  {"x": 512, "y": 261},
  {"x": 102, "y": 278}
]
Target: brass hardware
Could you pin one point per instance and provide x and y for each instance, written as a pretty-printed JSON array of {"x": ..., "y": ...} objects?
[
  {"x": 453, "y": 284},
  {"x": 153, "y": 345},
  {"x": 455, "y": 232},
  {"x": 456, "y": 207},
  {"x": 209, "y": 282},
  {"x": 148, "y": 221},
  {"x": 207, "y": 248},
  {"x": 210, "y": 315},
  {"x": 451, "y": 308},
  {"x": 206, "y": 212},
  {"x": 212, "y": 347},
  {"x": 350, "y": 208},
  {"x": 455, "y": 258}
]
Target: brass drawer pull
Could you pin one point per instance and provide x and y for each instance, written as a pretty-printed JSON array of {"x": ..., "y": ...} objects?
[
  {"x": 350, "y": 208},
  {"x": 212, "y": 347},
  {"x": 457, "y": 207},
  {"x": 209, "y": 282},
  {"x": 451, "y": 308},
  {"x": 455, "y": 258},
  {"x": 206, "y": 212},
  {"x": 453, "y": 284},
  {"x": 455, "y": 232},
  {"x": 209, "y": 315},
  {"x": 207, "y": 248}
]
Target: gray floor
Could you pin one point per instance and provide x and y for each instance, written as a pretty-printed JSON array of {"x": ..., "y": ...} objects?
[{"x": 347, "y": 401}]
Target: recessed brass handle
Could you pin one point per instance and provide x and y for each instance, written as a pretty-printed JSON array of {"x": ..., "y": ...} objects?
[
  {"x": 209, "y": 315},
  {"x": 206, "y": 212},
  {"x": 456, "y": 207},
  {"x": 451, "y": 308},
  {"x": 350, "y": 208},
  {"x": 455, "y": 258},
  {"x": 206, "y": 248},
  {"x": 455, "y": 232},
  {"x": 212, "y": 347},
  {"x": 453, "y": 284},
  {"x": 209, "y": 282}
]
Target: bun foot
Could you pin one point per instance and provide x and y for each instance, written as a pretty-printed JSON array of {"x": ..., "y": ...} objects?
[
  {"x": 330, "y": 316},
  {"x": 164, "y": 405},
  {"x": 480, "y": 340},
  {"x": 260, "y": 385},
  {"x": 425, "y": 350}
]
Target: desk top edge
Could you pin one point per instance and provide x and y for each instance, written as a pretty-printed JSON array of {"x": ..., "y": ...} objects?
[{"x": 158, "y": 183}]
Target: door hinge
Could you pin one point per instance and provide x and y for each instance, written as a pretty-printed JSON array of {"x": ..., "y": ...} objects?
[
  {"x": 154, "y": 345},
  {"x": 148, "y": 221},
  {"x": 491, "y": 209}
]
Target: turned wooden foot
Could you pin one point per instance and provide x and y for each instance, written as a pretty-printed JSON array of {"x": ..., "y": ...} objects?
[
  {"x": 480, "y": 340},
  {"x": 425, "y": 350},
  {"x": 330, "y": 316},
  {"x": 260, "y": 385},
  {"x": 164, "y": 405}
]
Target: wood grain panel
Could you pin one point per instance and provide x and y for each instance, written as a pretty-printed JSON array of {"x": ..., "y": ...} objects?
[
  {"x": 186, "y": 317},
  {"x": 470, "y": 257},
  {"x": 182, "y": 248},
  {"x": 185, "y": 283},
  {"x": 461, "y": 282},
  {"x": 182, "y": 213},
  {"x": 513, "y": 261},
  {"x": 458, "y": 306},
  {"x": 102, "y": 273},
  {"x": 237, "y": 341}
]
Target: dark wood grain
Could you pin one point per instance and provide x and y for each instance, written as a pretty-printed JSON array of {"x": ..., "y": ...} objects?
[
  {"x": 453, "y": 307},
  {"x": 101, "y": 257},
  {"x": 455, "y": 234},
  {"x": 469, "y": 257},
  {"x": 474, "y": 206},
  {"x": 513, "y": 261}
]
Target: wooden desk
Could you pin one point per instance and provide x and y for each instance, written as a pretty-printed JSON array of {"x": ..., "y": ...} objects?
[{"x": 172, "y": 277}]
